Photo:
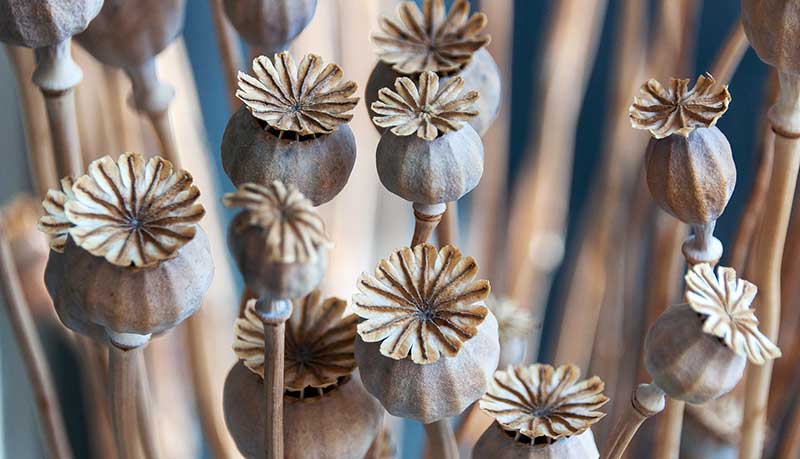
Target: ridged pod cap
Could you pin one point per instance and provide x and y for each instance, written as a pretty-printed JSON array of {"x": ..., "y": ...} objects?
[
  {"x": 40, "y": 23},
  {"x": 500, "y": 444},
  {"x": 771, "y": 27}
]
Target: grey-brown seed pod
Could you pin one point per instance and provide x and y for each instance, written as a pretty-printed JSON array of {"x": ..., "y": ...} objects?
[
  {"x": 771, "y": 27},
  {"x": 278, "y": 240},
  {"x": 270, "y": 25},
  {"x": 448, "y": 43},
  {"x": 500, "y": 444},
  {"x": 41, "y": 23},
  {"x": 293, "y": 127}
]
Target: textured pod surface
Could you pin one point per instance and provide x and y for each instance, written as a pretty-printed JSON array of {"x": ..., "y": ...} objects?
[
  {"x": 431, "y": 172},
  {"x": 434, "y": 391},
  {"x": 127, "y": 33},
  {"x": 40, "y": 23},
  {"x": 270, "y": 24},
  {"x": 90, "y": 294},
  {"x": 341, "y": 424},
  {"x": 480, "y": 74},
  {"x": 693, "y": 177},
  {"x": 498, "y": 444},
  {"x": 319, "y": 167},
  {"x": 687, "y": 363},
  {"x": 772, "y": 28}
]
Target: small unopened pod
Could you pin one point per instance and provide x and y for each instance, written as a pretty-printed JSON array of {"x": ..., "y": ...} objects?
[
  {"x": 41, "y": 23},
  {"x": 269, "y": 25},
  {"x": 448, "y": 43},
  {"x": 427, "y": 345},
  {"x": 128, "y": 259},
  {"x": 696, "y": 352},
  {"x": 327, "y": 414},
  {"x": 541, "y": 412},
  {"x": 429, "y": 155},
  {"x": 292, "y": 127},
  {"x": 278, "y": 240},
  {"x": 771, "y": 27}
]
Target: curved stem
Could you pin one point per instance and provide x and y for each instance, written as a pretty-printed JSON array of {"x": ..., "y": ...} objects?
[
  {"x": 21, "y": 321},
  {"x": 124, "y": 384},
  {"x": 442, "y": 440},
  {"x": 647, "y": 401}
]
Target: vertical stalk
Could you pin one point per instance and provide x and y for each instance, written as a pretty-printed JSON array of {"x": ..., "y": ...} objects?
[
  {"x": 147, "y": 434},
  {"x": 785, "y": 119},
  {"x": 447, "y": 230},
  {"x": 229, "y": 51},
  {"x": 124, "y": 382},
  {"x": 647, "y": 401},
  {"x": 426, "y": 217},
  {"x": 442, "y": 440},
  {"x": 273, "y": 314}
]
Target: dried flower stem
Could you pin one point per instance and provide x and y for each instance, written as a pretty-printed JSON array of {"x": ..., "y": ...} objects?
[
  {"x": 785, "y": 118},
  {"x": 447, "y": 230},
  {"x": 274, "y": 314},
  {"x": 647, "y": 401},
  {"x": 124, "y": 384},
  {"x": 147, "y": 433},
  {"x": 426, "y": 218},
  {"x": 229, "y": 51},
  {"x": 41, "y": 381},
  {"x": 441, "y": 439}
]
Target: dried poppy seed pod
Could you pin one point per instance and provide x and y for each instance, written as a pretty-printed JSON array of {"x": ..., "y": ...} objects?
[
  {"x": 541, "y": 412},
  {"x": 771, "y": 27},
  {"x": 129, "y": 34},
  {"x": 428, "y": 156},
  {"x": 446, "y": 43},
  {"x": 689, "y": 164},
  {"x": 696, "y": 352},
  {"x": 327, "y": 412},
  {"x": 134, "y": 261},
  {"x": 292, "y": 127},
  {"x": 428, "y": 344},
  {"x": 270, "y": 25},
  {"x": 42, "y": 23},
  {"x": 278, "y": 240}
]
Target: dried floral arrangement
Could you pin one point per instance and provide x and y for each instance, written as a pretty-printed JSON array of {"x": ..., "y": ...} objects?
[{"x": 424, "y": 335}]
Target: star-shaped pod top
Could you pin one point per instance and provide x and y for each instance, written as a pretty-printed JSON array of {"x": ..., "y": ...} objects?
[
  {"x": 725, "y": 302},
  {"x": 422, "y": 302},
  {"x": 677, "y": 109},
  {"x": 431, "y": 39},
  {"x": 424, "y": 109},
  {"x": 310, "y": 99},
  {"x": 542, "y": 401},
  {"x": 319, "y": 342},
  {"x": 132, "y": 212}
]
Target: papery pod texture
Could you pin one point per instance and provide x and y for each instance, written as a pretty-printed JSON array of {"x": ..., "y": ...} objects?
[
  {"x": 91, "y": 294},
  {"x": 773, "y": 30},
  {"x": 270, "y": 24},
  {"x": 687, "y": 363},
  {"x": 341, "y": 424},
  {"x": 693, "y": 177},
  {"x": 481, "y": 74},
  {"x": 128, "y": 33},
  {"x": 40, "y": 23},
  {"x": 498, "y": 444},
  {"x": 434, "y": 391}
]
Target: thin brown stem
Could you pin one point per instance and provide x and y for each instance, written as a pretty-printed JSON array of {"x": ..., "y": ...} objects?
[
  {"x": 146, "y": 427},
  {"x": 447, "y": 230},
  {"x": 731, "y": 53},
  {"x": 33, "y": 358},
  {"x": 647, "y": 401},
  {"x": 229, "y": 51},
  {"x": 668, "y": 441},
  {"x": 124, "y": 384},
  {"x": 166, "y": 136},
  {"x": 426, "y": 219},
  {"x": 442, "y": 440},
  {"x": 274, "y": 315}
]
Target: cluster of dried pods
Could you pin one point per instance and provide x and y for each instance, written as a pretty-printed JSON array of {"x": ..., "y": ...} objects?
[{"x": 129, "y": 262}]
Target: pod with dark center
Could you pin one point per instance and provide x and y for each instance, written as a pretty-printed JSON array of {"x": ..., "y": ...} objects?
[
  {"x": 697, "y": 352},
  {"x": 327, "y": 413},
  {"x": 270, "y": 26},
  {"x": 448, "y": 43},
  {"x": 292, "y": 127}
]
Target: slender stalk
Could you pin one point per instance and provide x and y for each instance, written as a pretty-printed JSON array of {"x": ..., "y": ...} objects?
[
  {"x": 785, "y": 118},
  {"x": 124, "y": 383},
  {"x": 447, "y": 230},
  {"x": 647, "y": 401},
  {"x": 668, "y": 439},
  {"x": 229, "y": 50},
  {"x": 442, "y": 440},
  {"x": 426, "y": 218},
  {"x": 144, "y": 418},
  {"x": 47, "y": 406},
  {"x": 274, "y": 314},
  {"x": 730, "y": 54}
]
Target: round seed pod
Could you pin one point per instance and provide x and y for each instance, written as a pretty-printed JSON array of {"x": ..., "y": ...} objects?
[
  {"x": 428, "y": 156},
  {"x": 448, "y": 43},
  {"x": 327, "y": 412},
  {"x": 697, "y": 352},
  {"x": 430, "y": 357},
  {"x": 270, "y": 25},
  {"x": 771, "y": 27},
  {"x": 41, "y": 23},
  {"x": 127, "y": 258},
  {"x": 278, "y": 240},
  {"x": 301, "y": 140},
  {"x": 501, "y": 444}
]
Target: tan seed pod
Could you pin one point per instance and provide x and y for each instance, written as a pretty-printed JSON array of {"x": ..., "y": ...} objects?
[
  {"x": 278, "y": 240},
  {"x": 270, "y": 25},
  {"x": 500, "y": 444},
  {"x": 54, "y": 223},
  {"x": 134, "y": 261},
  {"x": 428, "y": 344},
  {"x": 293, "y": 127},
  {"x": 327, "y": 413},
  {"x": 41, "y": 23},
  {"x": 771, "y": 27}
]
